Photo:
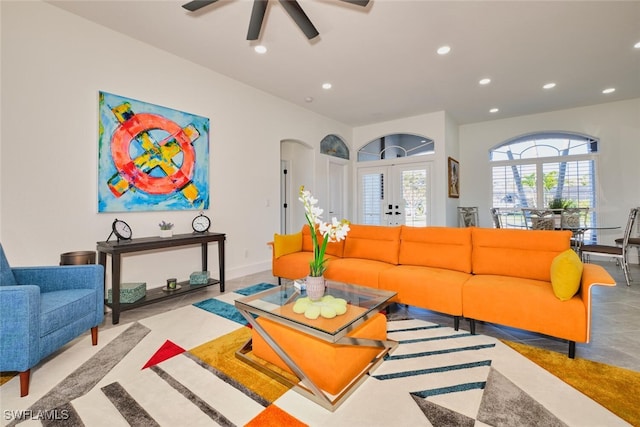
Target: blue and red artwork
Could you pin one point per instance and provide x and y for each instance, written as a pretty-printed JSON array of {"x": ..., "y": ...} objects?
[{"x": 151, "y": 158}]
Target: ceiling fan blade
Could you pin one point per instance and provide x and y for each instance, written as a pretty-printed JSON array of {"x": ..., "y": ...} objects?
[
  {"x": 362, "y": 3},
  {"x": 257, "y": 17},
  {"x": 295, "y": 11},
  {"x": 194, "y": 5}
]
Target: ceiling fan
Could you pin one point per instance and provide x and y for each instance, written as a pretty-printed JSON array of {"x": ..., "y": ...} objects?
[{"x": 260, "y": 7}]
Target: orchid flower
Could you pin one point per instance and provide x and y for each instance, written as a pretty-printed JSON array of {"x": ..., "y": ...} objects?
[{"x": 331, "y": 232}]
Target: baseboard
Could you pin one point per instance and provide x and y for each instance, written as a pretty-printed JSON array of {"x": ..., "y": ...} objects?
[{"x": 246, "y": 270}]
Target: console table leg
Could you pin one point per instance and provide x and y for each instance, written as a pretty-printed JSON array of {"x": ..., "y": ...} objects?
[
  {"x": 221, "y": 262},
  {"x": 115, "y": 289}
]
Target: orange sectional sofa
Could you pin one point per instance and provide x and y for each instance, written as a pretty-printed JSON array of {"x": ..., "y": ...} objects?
[{"x": 499, "y": 276}]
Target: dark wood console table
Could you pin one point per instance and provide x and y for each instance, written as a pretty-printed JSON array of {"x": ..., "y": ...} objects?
[{"x": 116, "y": 249}]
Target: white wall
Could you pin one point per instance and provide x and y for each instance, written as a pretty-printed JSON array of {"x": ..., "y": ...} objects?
[
  {"x": 53, "y": 66},
  {"x": 616, "y": 125}
]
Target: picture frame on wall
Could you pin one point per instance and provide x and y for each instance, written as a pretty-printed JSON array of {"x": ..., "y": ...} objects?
[
  {"x": 453, "y": 172},
  {"x": 151, "y": 157}
]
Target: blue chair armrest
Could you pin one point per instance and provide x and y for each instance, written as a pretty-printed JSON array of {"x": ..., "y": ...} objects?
[
  {"x": 62, "y": 277},
  {"x": 19, "y": 327}
]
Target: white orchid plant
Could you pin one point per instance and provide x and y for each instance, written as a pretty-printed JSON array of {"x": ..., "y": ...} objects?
[{"x": 334, "y": 231}]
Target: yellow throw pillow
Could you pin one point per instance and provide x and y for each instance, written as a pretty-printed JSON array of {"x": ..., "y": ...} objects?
[
  {"x": 566, "y": 273},
  {"x": 286, "y": 244}
]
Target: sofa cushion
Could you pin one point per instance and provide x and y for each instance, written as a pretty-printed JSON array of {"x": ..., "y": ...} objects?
[
  {"x": 57, "y": 308},
  {"x": 517, "y": 253},
  {"x": 373, "y": 242},
  {"x": 566, "y": 272},
  {"x": 526, "y": 304},
  {"x": 333, "y": 248},
  {"x": 295, "y": 265},
  {"x": 427, "y": 287},
  {"x": 357, "y": 271},
  {"x": 284, "y": 244},
  {"x": 441, "y": 247}
]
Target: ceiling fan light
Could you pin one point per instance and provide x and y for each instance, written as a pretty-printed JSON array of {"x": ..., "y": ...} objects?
[{"x": 260, "y": 49}]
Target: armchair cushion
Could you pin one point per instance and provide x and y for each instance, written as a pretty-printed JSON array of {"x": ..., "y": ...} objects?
[{"x": 58, "y": 307}]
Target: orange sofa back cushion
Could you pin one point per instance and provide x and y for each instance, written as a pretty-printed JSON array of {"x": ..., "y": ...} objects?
[
  {"x": 517, "y": 253},
  {"x": 375, "y": 242},
  {"x": 333, "y": 248},
  {"x": 441, "y": 247}
]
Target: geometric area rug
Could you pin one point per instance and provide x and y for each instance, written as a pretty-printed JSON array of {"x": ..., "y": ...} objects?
[{"x": 179, "y": 368}]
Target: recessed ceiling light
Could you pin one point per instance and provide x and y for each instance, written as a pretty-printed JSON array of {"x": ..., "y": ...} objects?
[
  {"x": 308, "y": 99},
  {"x": 609, "y": 90},
  {"x": 637, "y": 45},
  {"x": 326, "y": 86},
  {"x": 485, "y": 81},
  {"x": 549, "y": 86},
  {"x": 443, "y": 50},
  {"x": 260, "y": 49},
  {"x": 494, "y": 110}
]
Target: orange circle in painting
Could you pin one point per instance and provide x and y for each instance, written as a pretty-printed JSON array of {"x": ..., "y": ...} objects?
[{"x": 128, "y": 131}]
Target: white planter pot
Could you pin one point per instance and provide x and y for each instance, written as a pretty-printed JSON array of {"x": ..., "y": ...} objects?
[{"x": 166, "y": 233}]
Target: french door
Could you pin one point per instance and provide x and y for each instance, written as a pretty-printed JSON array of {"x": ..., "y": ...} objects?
[{"x": 394, "y": 195}]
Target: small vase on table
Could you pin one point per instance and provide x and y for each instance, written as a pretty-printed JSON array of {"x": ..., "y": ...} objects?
[{"x": 315, "y": 287}]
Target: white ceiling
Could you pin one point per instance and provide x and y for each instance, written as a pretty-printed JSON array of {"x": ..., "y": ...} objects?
[{"x": 382, "y": 59}]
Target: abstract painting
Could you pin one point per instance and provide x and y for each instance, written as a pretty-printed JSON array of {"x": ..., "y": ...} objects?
[{"x": 151, "y": 158}]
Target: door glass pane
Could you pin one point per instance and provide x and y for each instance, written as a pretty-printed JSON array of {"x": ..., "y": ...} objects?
[
  {"x": 414, "y": 194},
  {"x": 372, "y": 196}
]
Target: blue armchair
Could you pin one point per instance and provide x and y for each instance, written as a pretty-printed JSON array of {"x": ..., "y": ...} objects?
[{"x": 42, "y": 309}]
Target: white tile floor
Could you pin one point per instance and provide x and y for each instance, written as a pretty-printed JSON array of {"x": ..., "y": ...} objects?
[{"x": 615, "y": 337}]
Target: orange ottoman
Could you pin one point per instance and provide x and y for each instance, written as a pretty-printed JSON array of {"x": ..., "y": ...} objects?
[{"x": 330, "y": 366}]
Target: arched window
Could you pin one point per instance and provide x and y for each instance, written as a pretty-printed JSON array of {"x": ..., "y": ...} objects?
[
  {"x": 394, "y": 146},
  {"x": 333, "y": 145},
  {"x": 545, "y": 170}
]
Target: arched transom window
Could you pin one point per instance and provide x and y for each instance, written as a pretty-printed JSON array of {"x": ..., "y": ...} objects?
[{"x": 394, "y": 146}]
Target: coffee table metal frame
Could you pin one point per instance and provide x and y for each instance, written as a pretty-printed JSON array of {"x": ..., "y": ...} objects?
[{"x": 261, "y": 303}]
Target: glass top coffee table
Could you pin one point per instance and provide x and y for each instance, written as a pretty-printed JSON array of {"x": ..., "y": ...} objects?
[{"x": 276, "y": 306}]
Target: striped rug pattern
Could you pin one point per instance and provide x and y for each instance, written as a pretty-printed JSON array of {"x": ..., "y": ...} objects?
[{"x": 436, "y": 376}]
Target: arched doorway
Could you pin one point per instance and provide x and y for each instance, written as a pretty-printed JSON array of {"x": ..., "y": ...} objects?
[{"x": 296, "y": 169}]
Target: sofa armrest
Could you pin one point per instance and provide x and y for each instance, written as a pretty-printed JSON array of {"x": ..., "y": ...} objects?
[
  {"x": 57, "y": 278},
  {"x": 592, "y": 275},
  {"x": 19, "y": 327}
]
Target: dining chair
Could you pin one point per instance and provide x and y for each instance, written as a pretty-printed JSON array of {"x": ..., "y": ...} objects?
[
  {"x": 539, "y": 219},
  {"x": 495, "y": 217},
  {"x": 617, "y": 252},
  {"x": 633, "y": 240},
  {"x": 575, "y": 220},
  {"x": 468, "y": 216}
]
